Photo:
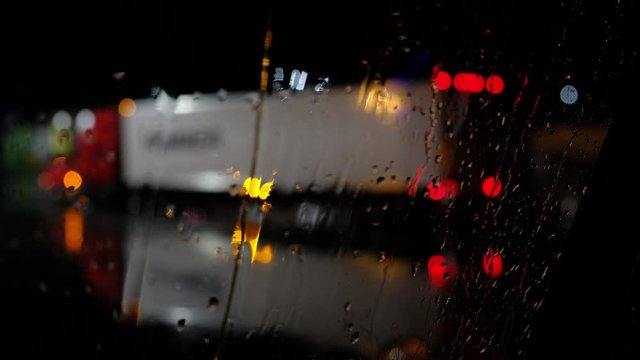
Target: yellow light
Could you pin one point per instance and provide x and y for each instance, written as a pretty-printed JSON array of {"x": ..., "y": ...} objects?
[
  {"x": 252, "y": 235},
  {"x": 253, "y": 188},
  {"x": 127, "y": 107},
  {"x": 73, "y": 229},
  {"x": 264, "y": 255},
  {"x": 72, "y": 180}
]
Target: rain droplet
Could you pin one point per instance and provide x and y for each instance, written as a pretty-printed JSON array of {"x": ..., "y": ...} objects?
[
  {"x": 233, "y": 190},
  {"x": 438, "y": 158},
  {"x": 355, "y": 337},
  {"x": 380, "y": 180},
  {"x": 213, "y": 304},
  {"x": 414, "y": 269},
  {"x": 206, "y": 338},
  {"x": 181, "y": 324},
  {"x": 348, "y": 89},
  {"x": 236, "y": 175},
  {"x": 218, "y": 250},
  {"x": 170, "y": 211},
  {"x": 347, "y": 306},
  {"x": 382, "y": 256}
]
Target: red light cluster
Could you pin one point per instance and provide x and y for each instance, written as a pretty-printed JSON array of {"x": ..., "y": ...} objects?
[
  {"x": 469, "y": 82},
  {"x": 442, "y": 270}
]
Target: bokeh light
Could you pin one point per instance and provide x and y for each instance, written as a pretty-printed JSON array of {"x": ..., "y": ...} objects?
[
  {"x": 494, "y": 84},
  {"x": 491, "y": 187},
  {"x": 72, "y": 180},
  {"x": 127, "y": 107},
  {"x": 442, "y": 80},
  {"x": 492, "y": 264}
]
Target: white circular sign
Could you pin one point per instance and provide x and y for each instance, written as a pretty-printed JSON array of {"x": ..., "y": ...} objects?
[{"x": 569, "y": 94}]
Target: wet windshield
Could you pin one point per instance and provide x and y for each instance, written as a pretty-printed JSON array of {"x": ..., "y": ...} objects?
[{"x": 322, "y": 180}]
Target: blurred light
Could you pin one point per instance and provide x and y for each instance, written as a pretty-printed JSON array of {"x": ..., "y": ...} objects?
[
  {"x": 294, "y": 78},
  {"x": 492, "y": 264},
  {"x": 279, "y": 74},
  {"x": 470, "y": 82},
  {"x": 251, "y": 236},
  {"x": 61, "y": 120},
  {"x": 264, "y": 255},
  {"x": 119, "y": 75},
  {"x": 72, "y": 180},
  {"x": 251, "y": 187},
  {"x": 436, "y": 192},
  {"x": 46, "y": 181},
  {"x": 412, "y": 188},
  {"x": 569, "y": 95},
  {"x": 302, "y": 81},
  {"x": 452, "y": 188},
  {"x": 85, "y": 119},
  {"x": 441, "y": 270},
  {"x": 491, "y": 186},
  {"x": 73, "y": 229},
  {"x": 445, "y": 189},
  {"x": 494, "y": 84},
  {"x": 61, "y": 141},
  {"x": 127, "y": 107},
  {"x": 442, "y": 80}
]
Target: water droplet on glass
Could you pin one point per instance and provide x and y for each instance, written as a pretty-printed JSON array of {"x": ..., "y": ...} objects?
[
  {"x": 296, "y": 250},
  {"x": 213, "y": 304},
  {"x": 206, "y": 338},
  {"x": 382, "y": 256},
  {"x": 181, "y": 324},
  {"x": 348, "y": 89},
  {"x": 180, "y": 227},
  {"x": 380, "y": 180},
  {"x": 438, "y": 158},
  {"x": 233, "y": 190},
  {"x": 414, "y": 269},
  {"x": 347, "y": 306},
  {"x": 170, "y": 211},
  {"x": 236, "y": 175},
  {"x": 355, "y": 337}
]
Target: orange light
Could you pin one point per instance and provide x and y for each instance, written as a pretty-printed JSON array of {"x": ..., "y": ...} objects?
[
  {"x": 264, "y": 255},
  {"x": 251, "y": 236},
  {"x": 127, "y": 107},
  {"x": 73, "y": 228},
  {"x": 72, "y": 180}
]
